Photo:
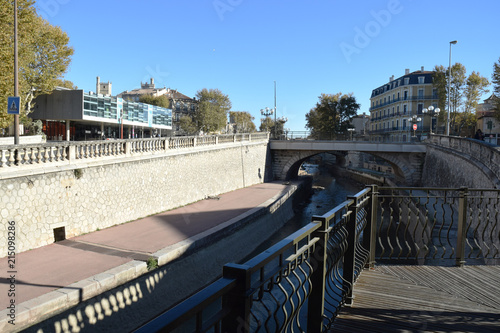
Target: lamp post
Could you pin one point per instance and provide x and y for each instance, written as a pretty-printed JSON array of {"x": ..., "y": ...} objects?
[
  {"x": 351, "y": 130},
  {"x": 414, "y": 120},
  {"x": 266, "y": 113},
  {"x": 449, "y": 85},
  {"x": 433, "y": 112}
]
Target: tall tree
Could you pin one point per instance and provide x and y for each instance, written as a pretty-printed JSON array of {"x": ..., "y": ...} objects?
[
  {"x": 331, "y": 115},
  {"x": 43, "y": 56},
  {"x": 243, "y": 121},
  {"x": 212, "y": 111},
  {"x": 495, "y": 79}
]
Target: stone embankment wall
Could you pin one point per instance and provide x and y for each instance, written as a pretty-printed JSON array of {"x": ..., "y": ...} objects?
[
  {"x": 89, "y": 197},
  {"x": 457, "y": 162}
]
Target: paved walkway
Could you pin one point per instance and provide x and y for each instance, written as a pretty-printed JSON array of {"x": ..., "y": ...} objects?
[{"x": 64, "y": 264}]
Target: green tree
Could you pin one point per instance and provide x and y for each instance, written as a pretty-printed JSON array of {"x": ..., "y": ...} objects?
[
  {"x": 212, "y": 111},
  {"x": 43, "y": 56},
  {"x": 187, "y": 125},
  {"x": 243, "y": 121},
  {"x": 495, "y": 79},
  {"x": 162, "y": 101},
  {"x": 465, "y": 93},
  {"x": 65, "y": 84},
  {"x": 331, "y": 115}
]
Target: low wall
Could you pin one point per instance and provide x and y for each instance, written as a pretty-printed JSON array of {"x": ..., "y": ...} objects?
[
  {"x": 89, "y": 195},
  {"x": 31, "y": 139},
  {"x": 134, "y": 303},
  {"x": 456, "y": 162}
]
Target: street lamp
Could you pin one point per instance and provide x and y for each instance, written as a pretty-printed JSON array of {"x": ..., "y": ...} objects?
[
  {"x": 433, "y": 112},
  {"x": 449, "y": 84},
  {"x": 414, "y": 120},
  {"x": 351, "y": 130},
  {"x": 266, "y": 113}
]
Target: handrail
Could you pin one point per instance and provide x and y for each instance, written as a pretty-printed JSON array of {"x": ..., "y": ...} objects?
[{"x": 271, "y": 290}]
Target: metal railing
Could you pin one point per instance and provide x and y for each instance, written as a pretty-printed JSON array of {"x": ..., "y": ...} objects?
[
  {"x": 301, "y": 283},
  {"x": 57, "y": 153},
  {"x": 297, "y": 285}
]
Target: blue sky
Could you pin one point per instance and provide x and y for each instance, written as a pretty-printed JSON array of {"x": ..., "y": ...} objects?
[{"x": 242, "y": 46}]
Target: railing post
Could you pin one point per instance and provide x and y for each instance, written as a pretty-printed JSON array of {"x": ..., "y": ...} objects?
[
  {"x": 370, "y": 233},
  {"x": 128, "y": 147},
  {"x": 350, "y": 253},
  {"x": 237, "y": 301},
  {"x": 462, "y": 226},
  {"x": 316, "y": 302}
]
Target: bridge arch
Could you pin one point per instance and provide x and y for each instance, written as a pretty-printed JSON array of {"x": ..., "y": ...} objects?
[{"x": 287, "y": 157}]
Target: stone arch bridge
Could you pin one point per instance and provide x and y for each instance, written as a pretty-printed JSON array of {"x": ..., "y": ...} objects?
[{"x": 407, "y": 159}]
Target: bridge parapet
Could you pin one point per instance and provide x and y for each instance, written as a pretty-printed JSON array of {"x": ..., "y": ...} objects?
[{"x": 484, "y": 155}]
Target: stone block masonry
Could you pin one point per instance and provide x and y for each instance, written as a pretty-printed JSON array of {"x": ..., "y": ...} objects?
[{"x": 71, "y": 201}]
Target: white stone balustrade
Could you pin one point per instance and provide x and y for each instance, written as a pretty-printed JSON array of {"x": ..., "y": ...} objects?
[{"x": 67, "y": 153}]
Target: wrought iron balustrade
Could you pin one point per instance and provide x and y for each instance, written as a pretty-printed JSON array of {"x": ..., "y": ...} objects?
[{"x": 301, "y": 283}]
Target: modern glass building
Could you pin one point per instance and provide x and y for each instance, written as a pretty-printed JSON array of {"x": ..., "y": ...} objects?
[{"x": 95, "y": 116}]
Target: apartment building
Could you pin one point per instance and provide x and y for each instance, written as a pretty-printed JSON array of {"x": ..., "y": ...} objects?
[{"x": 397, "y": 108}]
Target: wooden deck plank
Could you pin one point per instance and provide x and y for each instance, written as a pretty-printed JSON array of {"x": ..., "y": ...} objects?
[{"x": 424, "y": 299}]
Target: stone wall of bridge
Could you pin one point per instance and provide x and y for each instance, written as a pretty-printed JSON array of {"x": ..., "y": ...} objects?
[
  {"x": 457, "y": 162},
  {"x": 91, "y": 196}
]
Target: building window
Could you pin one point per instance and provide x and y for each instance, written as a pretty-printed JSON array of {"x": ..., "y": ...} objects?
[
  {"x": 404, "y": 124},
  {"x": 407, "y": 80},
  {"x": 421, "y": 79},
  {"x": 420, "y": 107},
  {"x": 434, "y": 93},
  {"x": 405, "y": 107},
  {"x": 397, "y": 109},
  {"x": 420, "y": 93},
  {"x": 405, "y": 96}
]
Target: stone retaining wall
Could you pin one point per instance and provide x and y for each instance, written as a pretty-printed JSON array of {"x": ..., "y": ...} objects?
[{"x": 87, "y": 197}]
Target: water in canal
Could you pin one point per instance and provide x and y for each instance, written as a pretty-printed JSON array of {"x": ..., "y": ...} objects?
[{"x": 328, "y": 192}]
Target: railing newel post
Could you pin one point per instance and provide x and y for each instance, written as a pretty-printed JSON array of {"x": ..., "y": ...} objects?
[
  {"x": 239, "y": 302},
  {"x": 316, "y": 302},
  {"x": 370, "y": 242},
  {"x": 350, "y": 253},
  {"x": 462, "y": 226}
]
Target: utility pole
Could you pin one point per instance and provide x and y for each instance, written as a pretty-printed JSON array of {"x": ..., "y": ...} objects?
[{"x": 16, "y": 77}]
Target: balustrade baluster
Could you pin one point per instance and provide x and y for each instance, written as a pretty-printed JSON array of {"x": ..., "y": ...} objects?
[
  {"x": 11, "y": 157},
  {"x": 64, "y": 154},
  {"x": 46, "y": 157},
  {"x": 33, "y": 155},
  {"x": 27, "y": 156}
]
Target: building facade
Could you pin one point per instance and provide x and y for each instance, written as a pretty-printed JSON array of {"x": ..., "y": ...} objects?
[
  {"x": 486, "y": 120},
  {"x": 77, "y": 115},
  {"x": 180, "y": 104},
  {"x": 397, "y": 108}
]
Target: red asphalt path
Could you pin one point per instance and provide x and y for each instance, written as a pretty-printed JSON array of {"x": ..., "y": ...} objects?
[{"x": 54, "y": 266}]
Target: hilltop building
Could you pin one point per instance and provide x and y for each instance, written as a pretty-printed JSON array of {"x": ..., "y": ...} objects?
[
  {"x": 396, "y": 106},
  {"x": 180, "y": 104}
]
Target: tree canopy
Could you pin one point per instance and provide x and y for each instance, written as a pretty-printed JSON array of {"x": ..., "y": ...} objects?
[
  {"x": 43, "y": 56},
  {"x": 332, "y": 114},
  {"x": 243, "y": 121},
  {"x": 162, "y": 101},
  {"x": 465, "y": 93},
  {"x": 495, "y": 79},
  {"x": 211, "y": 113}
]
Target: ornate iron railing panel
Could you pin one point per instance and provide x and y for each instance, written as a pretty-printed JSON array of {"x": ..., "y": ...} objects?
[
  {"x": 437, "y": 225},
  {"x": 297, "y": 285}
]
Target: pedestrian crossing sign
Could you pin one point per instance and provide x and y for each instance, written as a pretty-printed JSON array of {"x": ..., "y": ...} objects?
[{"x": 13, "y": 105}]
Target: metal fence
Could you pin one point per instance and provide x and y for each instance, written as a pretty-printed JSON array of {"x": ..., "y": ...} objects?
[
  {"x": 438, "y": 225},
  {"x": 301, "y": 283},
  {"x": 297, "y": 285}
]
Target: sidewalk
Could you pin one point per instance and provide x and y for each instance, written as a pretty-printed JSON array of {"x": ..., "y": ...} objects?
[{"x": 65, "y": 273}]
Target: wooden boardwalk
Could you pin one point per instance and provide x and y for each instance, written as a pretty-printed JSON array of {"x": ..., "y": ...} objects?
[{"x": 424, "y": 299}]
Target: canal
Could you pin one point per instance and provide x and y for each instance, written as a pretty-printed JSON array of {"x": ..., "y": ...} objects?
[{"x": 327, "y": 193}]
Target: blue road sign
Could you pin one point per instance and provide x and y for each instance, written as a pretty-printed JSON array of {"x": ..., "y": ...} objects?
[{"x": 13, "y": 105}]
